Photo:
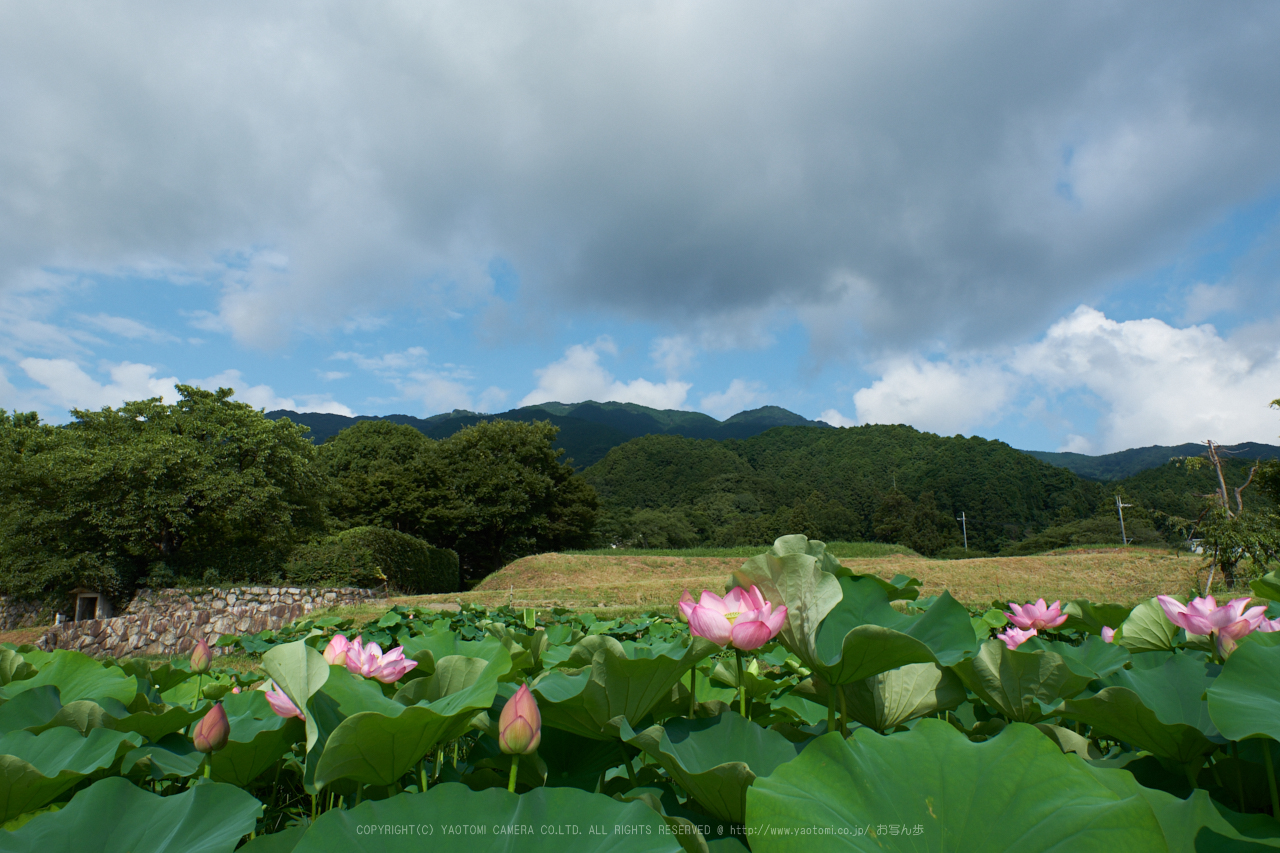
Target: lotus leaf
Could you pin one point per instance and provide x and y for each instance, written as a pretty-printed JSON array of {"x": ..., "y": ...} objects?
[
  {"x": 78, "y": 676},
  {"x": 115, "y": 816},
  {"x": 13, "y": 667},
  {"x": 1025, "y": 687},
  {"x": 1084, "y": 615},
  {"x": 173, "y": 756},
  {"x": 865, "y": 636},
  {"x": 36, "y": 768},
  {"x": 258, "y": 739},
  {"x": 1016, "y": 792},
  {"x": 900, "y": 695},
  {"x": 1148, "y": 629},
  {"x": 715, "y": 759},
  {"x": 1244, "y": 701},
  {"x": 1094, "y": 658}
]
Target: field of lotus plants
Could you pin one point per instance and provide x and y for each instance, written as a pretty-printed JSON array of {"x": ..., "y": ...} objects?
[{"x": 802, "y": 708}]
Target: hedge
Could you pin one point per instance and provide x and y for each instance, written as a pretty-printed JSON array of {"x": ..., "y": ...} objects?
[{"x": 371, "y": 556}]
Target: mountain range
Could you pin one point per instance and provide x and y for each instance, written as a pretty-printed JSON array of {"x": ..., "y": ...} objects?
[{"x": 589, "y": 430}]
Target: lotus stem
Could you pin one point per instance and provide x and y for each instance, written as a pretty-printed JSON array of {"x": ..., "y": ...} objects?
[
  {"x": 693, "y": 691},
  {"x": 359, "y": 793},
  {"x": 196, "y": 699},
  {"x": 515, "y": 768},
  {"x": 844, "y": 716},
  {"x": 631, "y": 771},
  {"x": 435, "y": 765},
  {"x": 422, "y": 774},
  {"x": 1271, "y": 778},
  {"x": 208, "y": 767},
  {"x": 831, "y": 708},
  {"x": 742, "y": 686}
]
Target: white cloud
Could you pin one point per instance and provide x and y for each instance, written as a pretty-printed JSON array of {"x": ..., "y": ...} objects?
[
  {"x": 387, "y": 363},
  {"x": 579, "y": 376},
  {"x": 739, "y": 396},
  {"x": 126, "y": 327},
  {"x": 673, "y": 355},
  {"x": 1207, "y": 300},
  {"x": 332, "y": 375},
  {"x": 436, "y": 391},
  {"x": 1157, "y": 384},
  {"x": 941, "y": 397},
  {"x": 264, "y": 397},
  {"x": 67, "y": 385},
  {"x": 833, "y": 417}
]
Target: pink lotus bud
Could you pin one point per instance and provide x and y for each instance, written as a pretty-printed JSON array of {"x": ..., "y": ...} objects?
[
  {"x": 336, "y": 652},
  {"x": 235, "y": 689},
  {"x": 1108, "y": 635},
  {"x": 211, "y": 733},
  {"x": 201, "y": 658},
  {"x": 520, "y": 724}
]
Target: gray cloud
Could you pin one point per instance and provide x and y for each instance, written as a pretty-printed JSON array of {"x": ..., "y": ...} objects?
[{"x": 891, "y": 173}]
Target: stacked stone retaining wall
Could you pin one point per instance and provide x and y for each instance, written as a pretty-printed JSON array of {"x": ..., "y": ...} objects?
[
  {"x": 171, "y": 622},
  {"x": 22, "y": 614}
]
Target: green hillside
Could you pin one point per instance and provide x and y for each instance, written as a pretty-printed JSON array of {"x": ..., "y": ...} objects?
[
  {"x": 890, "y": 483},
  {"x": 1126, "y": 463}
]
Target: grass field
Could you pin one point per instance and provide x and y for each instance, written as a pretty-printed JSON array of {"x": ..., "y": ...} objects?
[{"x": 646, "y": 579}]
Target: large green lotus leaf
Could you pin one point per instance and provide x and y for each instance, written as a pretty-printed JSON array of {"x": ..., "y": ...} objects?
[
  {"x": 173, "y": 756},
  {"x": 284, "y": 841},
  {"x": 162, "y": 676},
  {"x": 1244, "y": 701},
  {"x": 544, "y": 820},
  {"x": 78, "y": 676},
  {"x": 299, "y": 671},
  {"x": 153, "y": 725},
  {"x": 865, "y": 636},
  {"x": 1158, "y": 709},
  {"x": 377, "y": 749},
  {"x": 259, "y": 737},
  {"x": 1084, "y": 615},
  {"x": 440, "y": 642},
  {"x": 574, "y": 761},
  {"x": 1189, "y": 825},
  {"x": 1267, "y": 586},
  {"x": 1148, "y": 629},
  {"x": 1094, "y": 657},
  {"x": 1015, "y": 792},
  {"x": 14, "y": 667},
  {"x": 36, "y": 768},
  {"x": 900, "y": 695},
  {"x": 41, "y": 708},
  {"x": 83, "y": 716},
  {"x": 462, "y": 680},
  {"x": 615, "y": 684},
  {"x": 788, "y": 574},
  {"x": 1026, "y": 687},
  {"x": 30, "y": 708},
  {"x": 115, "y": 816},
  {"x": 714, "y": 759}
]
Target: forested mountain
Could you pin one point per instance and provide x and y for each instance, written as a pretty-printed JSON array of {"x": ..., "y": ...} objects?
[
  {"x": 588, "y": 430},
  {"x": 1126, "y": 463},
  {"x": 868, "y": 482}
]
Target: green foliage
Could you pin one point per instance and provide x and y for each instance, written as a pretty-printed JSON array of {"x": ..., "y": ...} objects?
[
  {"x": 371, "y": 556},
  {"x": 204, "y": 489}
]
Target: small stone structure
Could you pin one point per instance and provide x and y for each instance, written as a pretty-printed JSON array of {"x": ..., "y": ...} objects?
[{"x": 172, "y": 621}]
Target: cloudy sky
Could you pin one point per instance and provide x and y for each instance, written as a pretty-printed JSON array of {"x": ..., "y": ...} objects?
[{"x": 1053, "y": 224}]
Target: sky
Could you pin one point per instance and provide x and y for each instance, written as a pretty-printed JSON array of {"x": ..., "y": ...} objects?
[{"x": 1057, "y": 225}]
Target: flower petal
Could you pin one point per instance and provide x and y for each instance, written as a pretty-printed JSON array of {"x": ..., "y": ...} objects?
[
  {"x": 749, "y": 636},
  {"x": 710, "y": 624}
]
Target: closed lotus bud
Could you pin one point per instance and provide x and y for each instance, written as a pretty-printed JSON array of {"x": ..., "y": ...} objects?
[
  {"x": 211, "y": 733},
  {"x": 520, "y": 724},
  {"x": 201, "y": 658}
]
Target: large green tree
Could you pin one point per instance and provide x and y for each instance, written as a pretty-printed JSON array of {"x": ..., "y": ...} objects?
[{"x": 205, "y": 488}]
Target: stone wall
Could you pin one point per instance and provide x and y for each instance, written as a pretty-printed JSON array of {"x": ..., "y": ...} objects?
[
  {"x": 171, "y": 622},
  {"x": 22, "y": 614}
]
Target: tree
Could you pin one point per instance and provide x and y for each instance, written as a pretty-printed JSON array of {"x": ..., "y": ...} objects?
[
  {"x": 205, "y": 488},
  {"x": 502, "y": 493},
  {"x": 382, "y": 475}
]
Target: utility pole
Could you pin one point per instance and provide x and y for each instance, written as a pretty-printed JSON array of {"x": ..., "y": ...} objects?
[
  {"x": 964, "y": 526},
  {"x": 1120, "y": 509}
]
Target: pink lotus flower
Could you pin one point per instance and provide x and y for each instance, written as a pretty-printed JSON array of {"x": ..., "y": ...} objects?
[
  {"x": 336, "y": 652},
  {"x": 520, "y": 724},
  {"x": 1038, "y": 616},
  {"x": 1108, "y": 634},
  {"x": 742, "y": 618},
  {"x": 1226, "y": 624},
  {"x": 1014, "y": 637},
  {"x": 213, "y": 730},
  {"x": 282, "y": 704},
  {"x": 370, "y": 662}
]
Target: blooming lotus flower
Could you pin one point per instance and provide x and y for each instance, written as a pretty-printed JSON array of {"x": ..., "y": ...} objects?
[
  {"x": 1108, "y": 634},
  {"x": 1037, "y": 616},
  {"x": 1226, "y": 623},
  {"x": 742, "y": 618},
  {"x": 211, "y": 733},
  {"x": 1014, "y": 637},
  {"x": 282, "y": 704},
  {"x": 520, "y": 724},
  {"x": 201, "y": 658},
  {"x": 370, "y": 662},
  {"x": 336, "y": 652}
]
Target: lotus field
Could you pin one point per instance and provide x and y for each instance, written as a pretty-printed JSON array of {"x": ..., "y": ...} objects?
[{"x": 803, "y": 708}]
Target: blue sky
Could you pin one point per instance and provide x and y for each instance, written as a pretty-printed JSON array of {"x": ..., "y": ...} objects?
[{"x": 1058, "y": 227}]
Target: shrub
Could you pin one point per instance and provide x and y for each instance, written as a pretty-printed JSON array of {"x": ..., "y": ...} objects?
[{"x": 371, "y": 556}]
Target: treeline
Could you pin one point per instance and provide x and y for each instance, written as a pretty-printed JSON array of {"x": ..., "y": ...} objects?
[
  {"x": 883, "y": 483},
  {"x": 209, "y": 491}
]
